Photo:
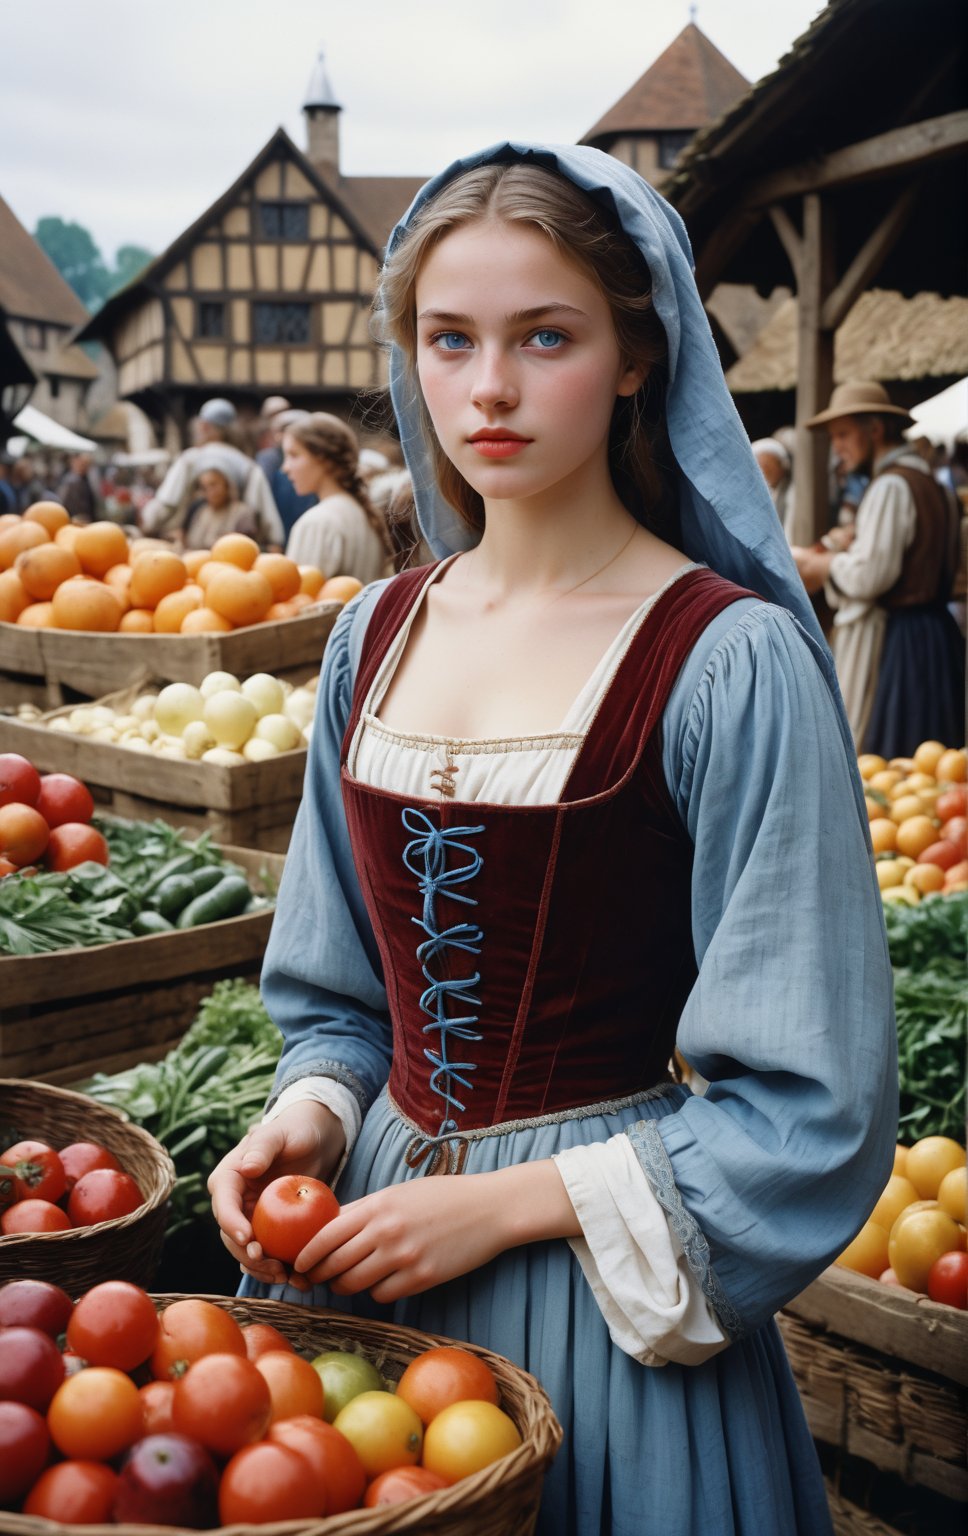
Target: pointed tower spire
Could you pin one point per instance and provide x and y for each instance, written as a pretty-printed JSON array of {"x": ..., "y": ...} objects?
[{"x": 322, "y": 118}]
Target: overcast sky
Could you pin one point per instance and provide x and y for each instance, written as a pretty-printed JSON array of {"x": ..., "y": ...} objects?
[{"x": 132, "y": 119}]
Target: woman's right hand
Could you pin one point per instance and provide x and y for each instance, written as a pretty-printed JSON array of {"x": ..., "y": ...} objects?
[{"x": 305, "y": 1138}]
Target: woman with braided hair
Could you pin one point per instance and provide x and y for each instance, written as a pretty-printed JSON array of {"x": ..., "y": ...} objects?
[{"x": 343, "y": 535}]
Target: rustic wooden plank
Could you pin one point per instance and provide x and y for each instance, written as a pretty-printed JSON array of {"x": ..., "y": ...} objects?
[
  {"x": 869, "y": 259},
  {"x": 815, "y": 370},
  {"x": 729, "y": 236},
  {"x": 789, "y": 238},
  {"x": 897, "y": 1322},
  {"x": 943, "y": 1477},
  {"x": 20, "y": 649},
  {"x": 912, "y": 147}
]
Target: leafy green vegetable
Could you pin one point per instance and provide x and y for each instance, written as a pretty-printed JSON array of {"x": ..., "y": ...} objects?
[
  {"x": 928, "y": 945},
  {"x": 206, "y": 1093}
]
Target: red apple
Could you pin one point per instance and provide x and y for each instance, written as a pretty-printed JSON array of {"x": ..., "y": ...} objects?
[
  {"x": 35, "y": 1304},
  {"x": 168, "y": 1480},
  {"x": 31, "y": 1368}
]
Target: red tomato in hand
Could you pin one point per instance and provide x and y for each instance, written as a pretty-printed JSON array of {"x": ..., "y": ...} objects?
[
  {"x": 948, "y": 1280},
  {"x": 63, "y": 798},
  {"x": 114, "y": 1323},
  {"x": 289, "y": 1212},
  {"x": 19, "y": 780},
  {"x": 74, "y": 1493},
  {"x": 83, "y": 1157},
  {"x": 74, "y": 842},
  {"x": 24, "y": 1448},
  {"x": 103, "y": 1195},
  {"x": 34, "y": 1216},
  {"x": 38, "y": 1169}
]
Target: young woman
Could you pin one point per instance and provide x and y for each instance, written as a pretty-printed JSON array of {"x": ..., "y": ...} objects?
[
  {"x": 575, "y": 798},
  {"x": 343, "y": 535},
  {"x": 219, "y": 508}
]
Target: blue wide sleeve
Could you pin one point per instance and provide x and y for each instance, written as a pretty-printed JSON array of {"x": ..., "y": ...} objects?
[
  {"x": 322, "y": 980},
  {"x": 768, "y": 1175}
]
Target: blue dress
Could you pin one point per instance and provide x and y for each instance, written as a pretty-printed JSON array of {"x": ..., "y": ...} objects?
[{"x": 764, "y": 1178}]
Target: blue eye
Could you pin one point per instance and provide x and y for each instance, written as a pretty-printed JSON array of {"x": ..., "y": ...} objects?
[
  {"x": 449, "y": 341},
  {"x": 548, "y": 340}
]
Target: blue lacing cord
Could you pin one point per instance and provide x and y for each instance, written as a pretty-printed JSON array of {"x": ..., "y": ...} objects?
[{"x": 430, "y": 845}]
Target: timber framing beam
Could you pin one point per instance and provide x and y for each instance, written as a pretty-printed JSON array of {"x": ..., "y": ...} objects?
[
  {"x": 914, "y": 146},
  {"x": 868, "y": 261}
]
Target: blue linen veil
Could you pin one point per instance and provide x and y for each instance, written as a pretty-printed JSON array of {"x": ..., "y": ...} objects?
[{"x": 728, "y": 519}]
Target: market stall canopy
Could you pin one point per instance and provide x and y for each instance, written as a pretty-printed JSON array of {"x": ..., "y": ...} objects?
[
  {"x": 50, "y": 434},
  {"x": 943, "y": 418}
]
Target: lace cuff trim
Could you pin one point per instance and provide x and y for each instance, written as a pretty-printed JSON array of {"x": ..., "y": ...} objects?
[{"x": 650, "y": 1150}]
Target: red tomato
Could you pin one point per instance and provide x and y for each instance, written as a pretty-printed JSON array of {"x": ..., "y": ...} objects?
[
  {"x": 34, "y": 1304},
  {"x": 7, "y": 867},
  {"x": 260, "y": 1338},
  {"x": 294, "y": 1386},
  {"x": 24, "y": 1448},
  {"x": 157, "y": 1398},
  {"x": 23, "y": 833},
  {"x": 223, "y": 1402},
  {"x": 942, "y": 853},
  {"x": 948, "y": 1280},
  {"x": 444, "y": 1375},
  {"x": 19, "y": 780},
  {"x": 74, "y": 1493},
  {"x": 267, "y": 1483},
  {"x": 39, "y": 1172},
  {"x": 333, "y": 1459},
  {"x": 103, "y": 1195},
  {"x": 63, "y": 798},
  {"x": 115, "y": 1323},
  {"x": 188, "y": 1330},
  {"x": 954, "y": 802},
  {"x": 31, "y": 1368},
  {"x": 83, "y": 1157},
  {"x": 289, "y": 1212},
  {"x": 95, "y": 1415},
  {"x": 400, "y": 1484},
  {"x": 955, "y": 830},
  {"x": 74, "y": 842},
  {"x": 34, "y": 1216}
]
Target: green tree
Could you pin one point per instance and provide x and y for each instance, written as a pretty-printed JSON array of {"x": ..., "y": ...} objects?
[
  {"x": 129, "y": 260},
  {"x": 74, "y": 253}
]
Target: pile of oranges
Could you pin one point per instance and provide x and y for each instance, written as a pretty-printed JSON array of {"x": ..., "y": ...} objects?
[
  {"x": 918, "y": 812},
  {"x": 56, "y": 574}
]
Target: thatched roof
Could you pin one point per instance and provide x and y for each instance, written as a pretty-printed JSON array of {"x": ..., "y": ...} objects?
[
  {"x": 689, "y": 85},
  {"x": 884, "y": 337}
]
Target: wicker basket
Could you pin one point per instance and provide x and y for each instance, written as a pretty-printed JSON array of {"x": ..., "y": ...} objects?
[
  {"x": 500, "y": 1501},
  {"x": 124, "y": 1249}
]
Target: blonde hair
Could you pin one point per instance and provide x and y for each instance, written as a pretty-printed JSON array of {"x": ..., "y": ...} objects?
[
  {"x": 640, "y": 458},
  {"x": 334, "y": 443}
]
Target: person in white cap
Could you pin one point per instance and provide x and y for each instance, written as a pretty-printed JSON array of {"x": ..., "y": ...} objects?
[
  {"x": 165, "y": 513},
  {"x": 776, "y": 466},
  {"x": 897, "y": 649}
]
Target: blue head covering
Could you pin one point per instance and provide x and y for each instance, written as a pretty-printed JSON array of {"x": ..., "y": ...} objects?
[{"x": 728, "y": 518}]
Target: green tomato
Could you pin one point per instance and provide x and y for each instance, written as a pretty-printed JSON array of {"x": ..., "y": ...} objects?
[{"x": 344, "y": 1376}]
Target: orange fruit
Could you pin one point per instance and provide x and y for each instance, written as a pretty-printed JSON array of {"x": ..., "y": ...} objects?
[
  {"x": 66, "y": 536},
  {"x": 98, "y": 546},
  {"x": 301, "y": 601},
  {"x": 173, "y": 608},
  {"x": 918, "y": 1237},
  {"x": 10, "y": 520},
  {"x": 17, "y": 538},
  {"x": 900, "y": 1159},
  {"x": 204, "y": 621},
  {"x": 952, "y": 1193},
  {"x": 148, "y": 547},
  {"x": 243, "y": 597},
  {"x": 883, "y": 834},
  {"x": 952, "y": 766},
  {"x": 311, "y": 579},
  {"x": 81, "y": 603},
  {"x": 444, "y": 1375},
  {"x": 466, "y": 1437},
  {"x": 154, "y": 575},
  {"x": 915, "y": 834},
  {"x": 925, "y": 878},
  {"x": 236, "y": 549},
  {"x": 206, "y": 571},
  {"x": 898, "y": 1193},
  {"x": 340, "y": 588},
  {"x": 43, "y": 569},
  {"x": 929, "y": 1160},
  {"x": 867, "y": 1254},
  {"x": 281, "y": 611},
  {"x": 194, "y": 560},
  {"x": 37, "y": 616},
  {"x": 13, "y": 598},
  {"x": 23, "y": 833},
  {"x": 137, "y": 621},
  {"x": 49, "y": 514},
  {"x": 282, "y": 573}
]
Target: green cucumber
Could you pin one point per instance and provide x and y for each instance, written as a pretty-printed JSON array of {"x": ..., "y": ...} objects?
[
  {"x": 205, "y": 878},
  {"x": 227, "y": 899},
  {"x": 148, "y": 922},
  {"x": 173, "y": 894}
]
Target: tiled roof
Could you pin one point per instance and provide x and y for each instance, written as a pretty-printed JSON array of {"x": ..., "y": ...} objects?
[
  {"x": 30, "y": 285},
  {"x": 688, "y": 86}
]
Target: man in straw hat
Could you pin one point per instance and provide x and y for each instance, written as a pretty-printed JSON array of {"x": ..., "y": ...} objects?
[{"x": 899, "y": 655}]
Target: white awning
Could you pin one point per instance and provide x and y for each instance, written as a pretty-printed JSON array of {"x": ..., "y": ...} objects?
[
  {"x": 49, "y": 433},
  {"x": 944, "y": 417}
]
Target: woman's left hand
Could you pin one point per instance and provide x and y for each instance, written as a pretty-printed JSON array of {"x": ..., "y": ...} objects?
[{"x": 409, "y": 1237}]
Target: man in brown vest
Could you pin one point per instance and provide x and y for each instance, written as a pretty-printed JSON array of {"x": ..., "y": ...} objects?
[{"x": 899, "y": 655}]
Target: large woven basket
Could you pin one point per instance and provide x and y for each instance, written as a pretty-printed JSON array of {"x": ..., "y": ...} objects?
[
  {"x": 127, "y": 1248},
  {"x": 500, "y": 1501}
]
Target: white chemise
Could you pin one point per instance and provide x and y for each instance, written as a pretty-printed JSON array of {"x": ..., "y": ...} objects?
[{"x": 631, "y": 1258}]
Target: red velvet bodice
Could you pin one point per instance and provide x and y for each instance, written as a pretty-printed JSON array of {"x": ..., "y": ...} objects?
[{"x": 536, "y": 958}]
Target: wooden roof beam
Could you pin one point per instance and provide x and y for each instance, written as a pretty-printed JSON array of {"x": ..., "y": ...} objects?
[
  {"x": 914, "y": 146},
  {"x": 868, "y": 261}
]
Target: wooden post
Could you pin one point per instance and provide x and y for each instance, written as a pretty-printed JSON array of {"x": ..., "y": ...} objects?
[{"x": 815, "y": 368}]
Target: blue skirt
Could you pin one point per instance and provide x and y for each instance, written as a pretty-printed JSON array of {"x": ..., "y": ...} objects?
[
  {"x": 920, "y": 692},
  {"x": 718, "y": 1449}
]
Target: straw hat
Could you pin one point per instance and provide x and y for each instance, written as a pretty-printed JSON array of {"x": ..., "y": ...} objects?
[{"x": 859, "y": 397}]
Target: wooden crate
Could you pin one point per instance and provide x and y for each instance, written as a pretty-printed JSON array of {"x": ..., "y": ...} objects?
[
  {"x": 73, "y": 1012},
  {"x": 94, "y": 664},
  {"x": 252, "y": 805},
  {"x": 882, "y": 1373}
]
